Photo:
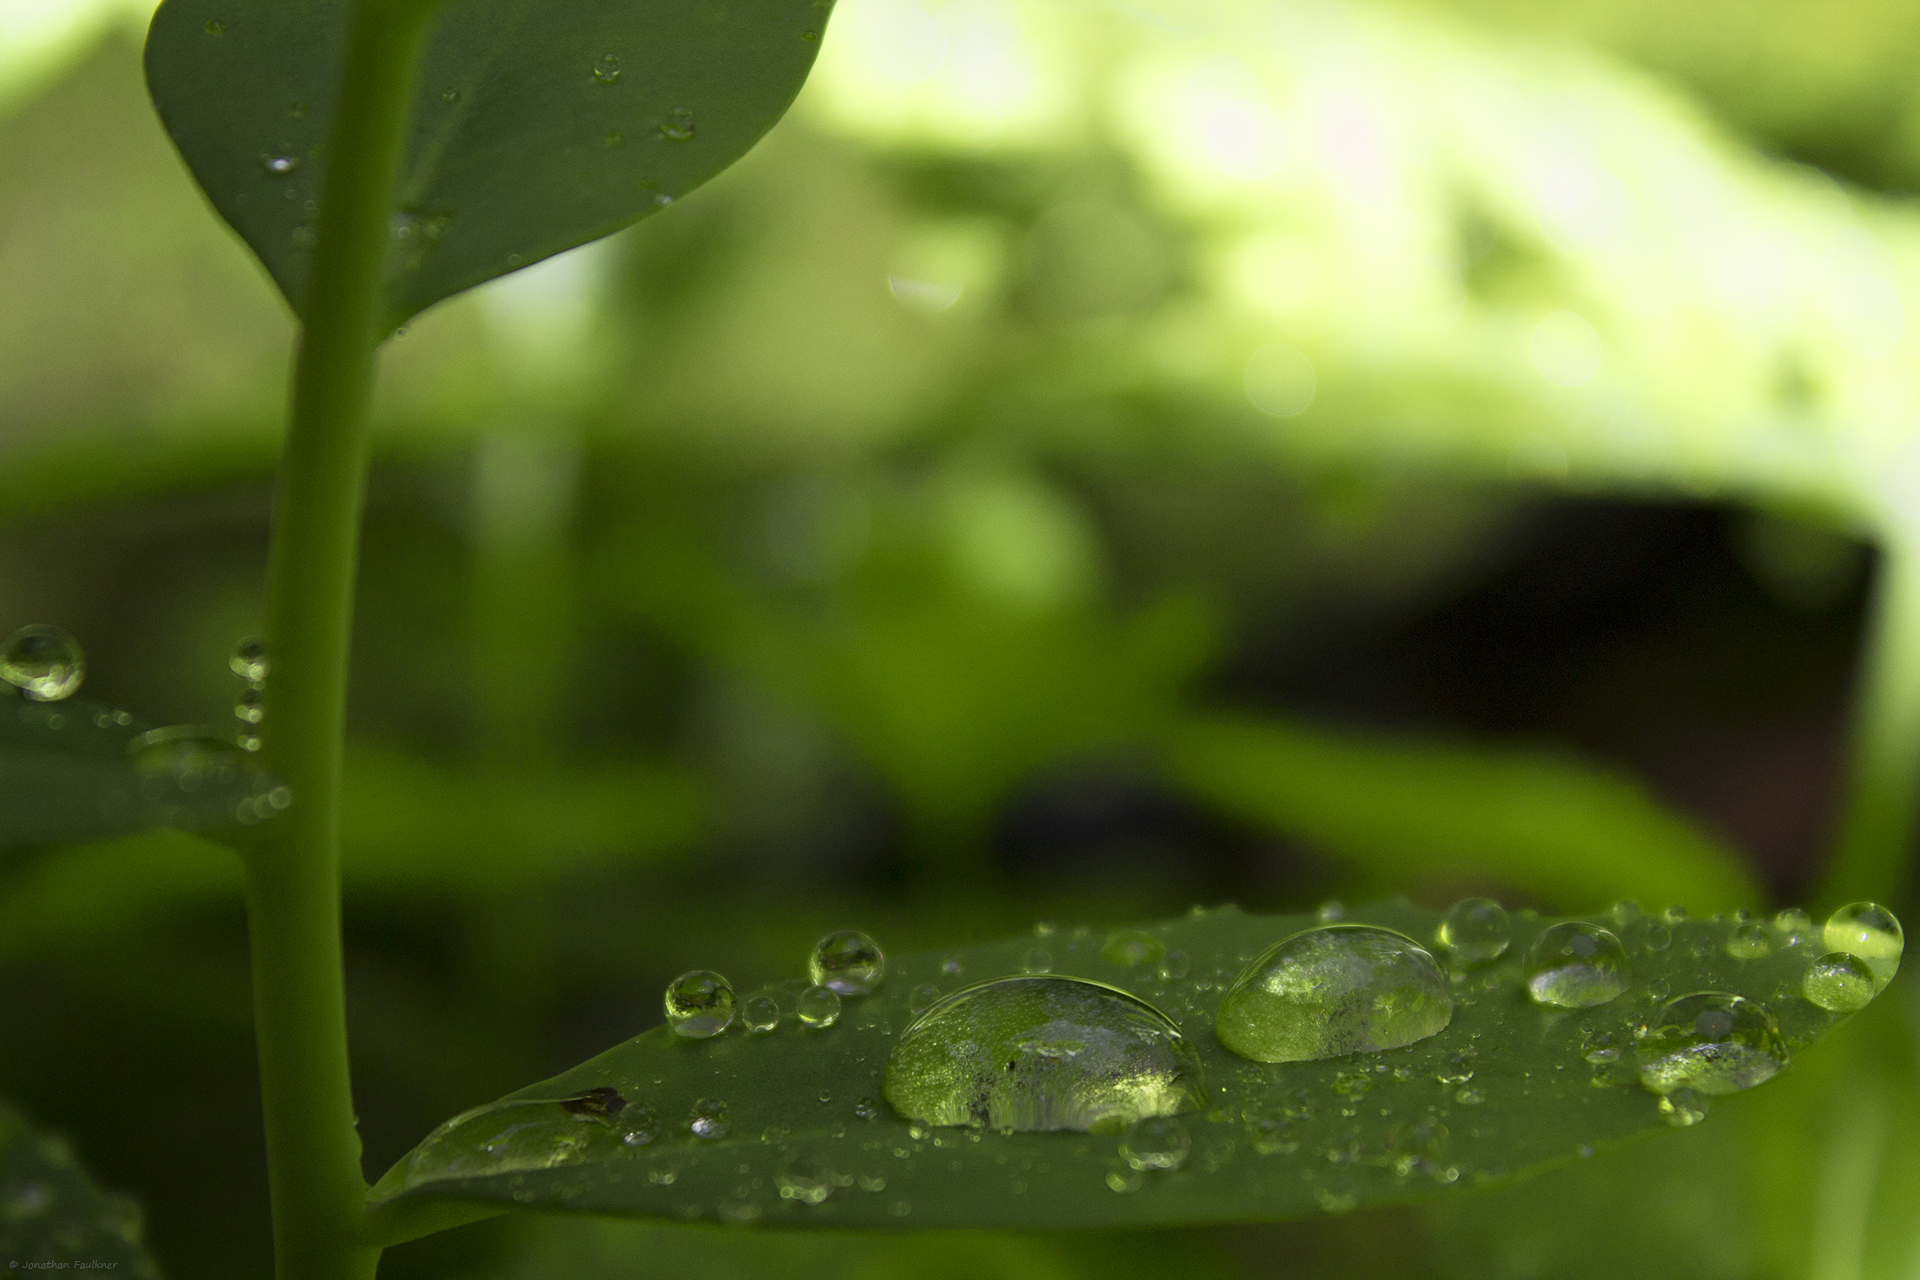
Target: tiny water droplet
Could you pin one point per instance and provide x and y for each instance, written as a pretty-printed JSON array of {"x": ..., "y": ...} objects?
[
  {"x": 1172, "y": 966},
  {"x": 607, "y": 69},
  {"x": 1042, "y": 1053},
  {"x": 699, "y": 1004},
  {"x": 847, "y": 962},
  {"x": 1870, "y": 931},
  {"x": 1599, "y": 1046},
  {"x": 44, "y": 663},
  {"x": 1332, "y": 991},
  {"x": 1037, "y": 960},
  {"x": 819, "y": 1007},
  {"x": 922, "y": 998},
  {"x": 1683, "y": 1107},
  {"x": 760, "y": 1014},
  {"x": 809, "y": 35},
  {"x": 450, "y": 94},
  {"x": 678, "y": 125},
  {"x": 1131, "y": 948},
  {"x": 1124, "y": 1181},
  {"x": 951, "y": 965},
  {"x": 1839, "y": 982},
  {"x": 1750, "y": 942},
  {"x": 1476, "y": 930},
  {"x": 1675, "y": 915},
  {"x": 711, "y": 1119},
  {"x": 215, "y": 27},
  {"x": 1576, "y": 965},
  {"x": 867, "y": 1109},
  {"x": 1712, "y": 1043},
  {"x": 280, "y": 161},
  {"x": 641, "y": 1126},
  {"x": 806, "y": 1178},
  {"x": 1331, "y": 910},
  {"x": 248, "y": 707},
  {"x": 1158, "y": 1142}
]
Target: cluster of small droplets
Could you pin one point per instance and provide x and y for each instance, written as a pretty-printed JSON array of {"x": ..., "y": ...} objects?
[
  {"x": 249, "y": 661},
  {"x": 44, "y": 663},
  {"x": 700, "y": 1004}
]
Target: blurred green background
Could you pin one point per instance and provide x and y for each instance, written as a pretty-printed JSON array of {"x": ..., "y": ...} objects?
[{"x": 1088, "y": 460}]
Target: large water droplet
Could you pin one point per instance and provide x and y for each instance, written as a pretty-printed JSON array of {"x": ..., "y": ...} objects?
[
  {"x": 678, "y": 125},
  {"x": 1476, "y": 930},
  {"x": 699, "y": 1004},
  {"x": 847, "y": 962},
  {"x": 249, "y": 659},
  {"x": 1577, "y": 965},
  {"x": 819, "y": 1007},
  {"x": 1042, "y": 1053},
  {"x": 43, "y": 662},
  {"x": 1870, "y": 931},
  {"x": 1160, "y": 1142},
  {"x": 502, "y": 1137},
  {"x": 1839, "y": 982},
  {"x": 1712, "y": 1043},
  {"x": 1332, "y": 991}
]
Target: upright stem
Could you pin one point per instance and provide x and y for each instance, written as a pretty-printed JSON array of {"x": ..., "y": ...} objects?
[
  {"x": 1884, "y": 774},
  {"x": 293, "y": 877}
]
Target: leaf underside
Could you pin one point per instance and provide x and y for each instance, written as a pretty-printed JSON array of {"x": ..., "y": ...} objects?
[
  {"x": 54, "y": 1217},
  {"x": 1371, "y": 1128},
  {"x": 67, "y": 775},
  {"x": 535, "y": 126}
]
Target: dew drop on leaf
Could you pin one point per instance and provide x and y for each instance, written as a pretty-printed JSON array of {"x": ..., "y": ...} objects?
[
  {"x": 847, "y": 962},
  {"x": 502, "y": 1137},
  {"x": 1333, "y": 991},
  {"x": 1870, "y": 931},
  {"x": 1712, "y": 1043},
  {"x": 678, "y": 125},
  {"x": 922, "y": 998},
  {"x": 1576, "y": 965},
  {"x": 1839, "y": 982},
  {"x": 1476, "y": 930},
  {"x": 711, "y": 1119},
  {"x": 1037, "y": 960},
  {"x": 1042, "y": 1053},
  {"x": 1158, "y": 1143},
  {"x": 607, "y": 69},
  {"x": 1683, "y": 1107},
  {"x": 760, "y": 1014},
  {"x": 1173, "y": 965},
  {"x": 1131, "y": 948},
  {"x": 819, "y": 1007},
  {"x": 44, "y": 663},
  {"x": 280, "y": 161},
  {"x": 699, "y": 1004},
  {"x": 1750, "y": 942}
]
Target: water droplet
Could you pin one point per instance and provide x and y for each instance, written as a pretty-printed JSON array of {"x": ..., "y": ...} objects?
[
  {"x": 806, "y": 1178},
  {"x": 1675, "y": 915},
  {"x": 1792, "y": 920},
  {"x": 760, "y": 1014},
  {"x": 215, "y": 27},
  {"x": 819, "y": 1007},
  {"x": 1750, "y": 942},
  {"x": 847, "y": 962},
  {"x": 1172, "y": 966},
  {"x": 1042, "y": 1053},
  {"x": 1131, "y": 948},
  {"x": 1159, "y": 1142},
  {"x": 1332, "y": 991},
  {"x": 1577, "y": 966},
  {"x": 450, "y": 94},
  {"x": 922, "y": 998},
  {"x": 1839, "y": 982},
  {"x": 1476, "y": 930},
  {"x": 678, "y": 126},
  {"x": 297, "y": 110},
  {"x": 1124, "y": 1181},
  {"x": 43, "y": 662},
  {"x": 1658, "y": 989},
  {"x": 1037, "y": 960},
  {"x": 1272, "y": 1136},
  {"x": 607, "y": 69},
  {"x": 1599, "y": 1046},
  {"x": 502, "y": 1137},
  {"x": 1331, "y": 910},
  {"x": 598, "y": 1105},
  {"x": 640, "y": 1126},
  {"x": 711, "y": 1119},
  {"x": 248, "y": 707},
  {"x": 1683, "y": 1107},
  {"x": 1470, "y": 1097},
  {"x": 1655, "y": 936},
  {"x": 699, "y": 1004},
  {"x": 867, "y": 1109},
  {"x": 810, "y": 35},
  {"x": 280, "y": 161},
  {"x": 1458, "y": 1068},
  {"x": 951, "y": 965},
  {"x": 1712, "y": 1043},
  {"x": 1870, "y": 931}
]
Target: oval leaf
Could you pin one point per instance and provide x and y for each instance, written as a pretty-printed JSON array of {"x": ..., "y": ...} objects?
[
  {"x": 536, "y": 126},
  {"x": 1505, "y": 1088}
]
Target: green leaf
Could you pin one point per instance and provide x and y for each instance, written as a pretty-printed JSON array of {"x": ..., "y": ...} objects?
[
  {"x": 1403, "y": 806},
  {"x": 76, "y": 770},
  {"x": 535, "y": 126},
  {"x": 1506, "y": 1088},
  {"x": 53, "y": 1216}
]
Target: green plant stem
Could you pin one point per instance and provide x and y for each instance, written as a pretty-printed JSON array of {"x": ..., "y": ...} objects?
[
  {"x": 1877, "y": 830},
  {"x": 293, "y": 876}
]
